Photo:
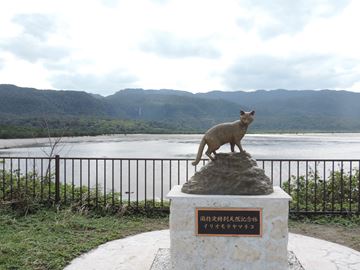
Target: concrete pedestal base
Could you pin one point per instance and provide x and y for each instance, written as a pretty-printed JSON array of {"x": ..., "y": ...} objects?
[{"x": 189, "y": 251}]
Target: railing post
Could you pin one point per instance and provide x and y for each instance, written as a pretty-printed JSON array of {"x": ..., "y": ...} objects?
[{"x": 57, "y": 179}]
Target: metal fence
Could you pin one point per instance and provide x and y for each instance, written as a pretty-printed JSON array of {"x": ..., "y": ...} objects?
[{"x": 316, "y": 186}]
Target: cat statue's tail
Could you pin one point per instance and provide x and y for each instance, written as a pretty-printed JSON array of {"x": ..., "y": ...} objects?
[{"x": 199, "y": 154}]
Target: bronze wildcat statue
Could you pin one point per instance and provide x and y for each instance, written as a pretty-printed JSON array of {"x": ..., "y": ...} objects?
[{"x": 225, "y": 133}]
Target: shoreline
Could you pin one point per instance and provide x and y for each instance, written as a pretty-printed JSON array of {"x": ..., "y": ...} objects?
[{"x": 36, "y": 142}]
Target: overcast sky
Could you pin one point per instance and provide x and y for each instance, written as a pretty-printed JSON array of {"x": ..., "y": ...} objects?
[{"x": 102, "y": 46}]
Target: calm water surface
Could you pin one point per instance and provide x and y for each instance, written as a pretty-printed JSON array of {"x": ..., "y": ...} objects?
[{"x": 302, "y": 146}]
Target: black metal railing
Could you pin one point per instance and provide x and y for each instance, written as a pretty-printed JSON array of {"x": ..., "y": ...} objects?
[{"x": 316, "y": 186}]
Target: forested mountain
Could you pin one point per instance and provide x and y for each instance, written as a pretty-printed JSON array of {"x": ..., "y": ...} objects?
[
  {"x": 32, "y": 102},
  {"x": 165, "y": 110},
  {"x": 325, "y": 102},
  {"x": 301, "y": 110},
  {"x": 182, "y": 109}
]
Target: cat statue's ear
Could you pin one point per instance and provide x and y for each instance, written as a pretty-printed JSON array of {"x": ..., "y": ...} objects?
[
  {"x": 252, "y": 112},
  {"x": 242, "y": 112}
]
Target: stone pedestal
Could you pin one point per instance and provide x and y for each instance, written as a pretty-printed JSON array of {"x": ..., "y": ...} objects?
[{"x": 190, "y": 251}]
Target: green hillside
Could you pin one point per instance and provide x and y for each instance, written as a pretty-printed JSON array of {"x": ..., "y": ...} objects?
[
  {"x": 183, "y": 110},
  {"x": 24, "y": 112},
  {"x": 299, "y": 111},
  {"x": 32, "y": 102}
]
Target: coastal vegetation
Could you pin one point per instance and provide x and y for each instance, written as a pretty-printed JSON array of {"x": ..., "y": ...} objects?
[
  {"x": 339, "y": 192},
  {"x": 82, "y": 126}
]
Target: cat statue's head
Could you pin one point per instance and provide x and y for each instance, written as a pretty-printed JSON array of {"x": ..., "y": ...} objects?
[{"x": 247, "y": 117}]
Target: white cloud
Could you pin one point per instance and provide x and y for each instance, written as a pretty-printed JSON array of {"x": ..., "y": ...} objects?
[
  {"x": 192, "y": 45},
  {"x": 32, "y": 43},
  {"x": 106, "y": 83},
  {"x": 32, "y": 49},
  {"x": 300, "y": 72},
  {"x": 272, "y": 18},
  {"x": 167, "y": 45},
  {"x": 110, "y": 3},
  {"x": 37, "y": 25},
  {"x": 24, "y": 73}
]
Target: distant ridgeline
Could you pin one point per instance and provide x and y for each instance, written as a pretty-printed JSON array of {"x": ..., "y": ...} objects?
[{"x": 28, "y": 112}]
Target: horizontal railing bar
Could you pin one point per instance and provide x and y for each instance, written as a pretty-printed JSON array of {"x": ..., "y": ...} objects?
[
  {"x": 304, "y": 159},
  {"x": 1, "y": 157},
  {"x": 131, "y": 159},
  {"x": 100, "y": 158},
  {"x": 181, "y": 159}
]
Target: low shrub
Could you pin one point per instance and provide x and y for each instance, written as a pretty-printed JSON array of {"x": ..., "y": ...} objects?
[
  {"x": 339, "y": 192},
  {"x": 29, "y": 193}
]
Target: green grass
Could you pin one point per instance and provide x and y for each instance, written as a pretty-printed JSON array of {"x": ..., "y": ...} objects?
[
  {"x": 337, "y": 220},
  {"x": 51, "y": 238}
]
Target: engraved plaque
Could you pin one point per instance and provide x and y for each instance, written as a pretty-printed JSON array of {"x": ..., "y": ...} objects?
[{"x": 228, "y": 221}]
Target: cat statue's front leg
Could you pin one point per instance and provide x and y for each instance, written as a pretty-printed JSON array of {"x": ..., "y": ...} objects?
[{"x": 240, "y": 147}]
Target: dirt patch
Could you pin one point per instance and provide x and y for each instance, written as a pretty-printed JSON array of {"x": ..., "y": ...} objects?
[{"x": 347, "y": 236}]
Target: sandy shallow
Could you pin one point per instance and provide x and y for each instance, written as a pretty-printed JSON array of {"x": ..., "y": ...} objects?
[
  {"x": 15, "y": 143},
  {"x": 10, "y": 143}
]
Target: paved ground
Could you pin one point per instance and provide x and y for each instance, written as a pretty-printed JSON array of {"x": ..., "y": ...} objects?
[
  {"x": 138, "y": 252},
  {"x": 313, "y": 252},
  {"x": 162, "y": 260}
]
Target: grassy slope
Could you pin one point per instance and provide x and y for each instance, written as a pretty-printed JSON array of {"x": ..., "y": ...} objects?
[{"x": 50, "y": 239}]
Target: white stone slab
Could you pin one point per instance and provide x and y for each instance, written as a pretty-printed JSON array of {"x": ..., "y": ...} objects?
[
  {"x": 132, "y": 253},
  {"x": 317, "y": 254},
  {"x": 162, "y": 261},
  {"x": 190, "y": 251}
]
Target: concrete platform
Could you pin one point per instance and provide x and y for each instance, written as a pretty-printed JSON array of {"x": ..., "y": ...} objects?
[
  {"x": 162, "y": 261},
  {"x": 138, "y": 252}
]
